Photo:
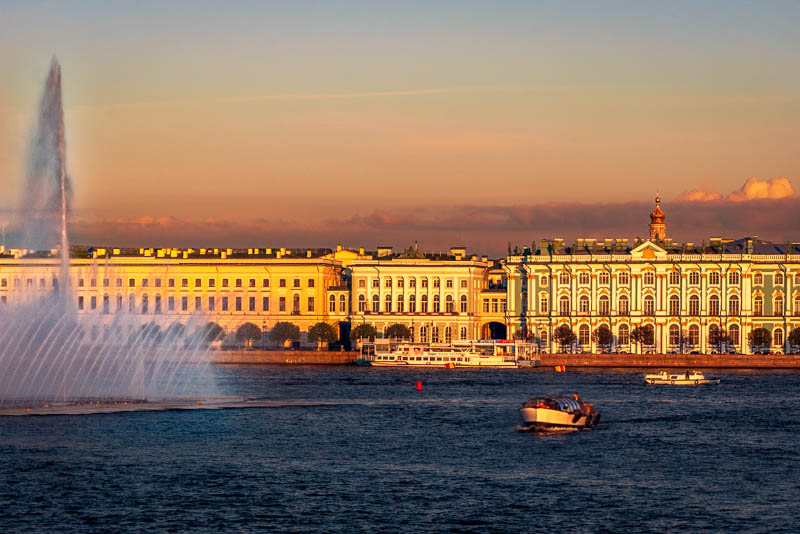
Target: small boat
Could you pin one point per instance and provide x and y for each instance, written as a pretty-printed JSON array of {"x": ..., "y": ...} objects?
[
  {"x": 553, "y": 412},
  {"x": 687, "y": 378}
]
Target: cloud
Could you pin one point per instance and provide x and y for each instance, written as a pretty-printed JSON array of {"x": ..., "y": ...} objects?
[{"x": 753, "y": 189}]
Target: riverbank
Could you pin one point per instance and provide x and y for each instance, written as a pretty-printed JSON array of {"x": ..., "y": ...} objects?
[{"x": 633, "y": 361}]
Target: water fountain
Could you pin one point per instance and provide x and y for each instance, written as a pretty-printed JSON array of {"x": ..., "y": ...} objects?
[{"x": 54, "y": 358}]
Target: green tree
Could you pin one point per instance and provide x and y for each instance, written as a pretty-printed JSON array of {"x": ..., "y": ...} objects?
[
  {"x": 564, "y": 336},
  {"x": 718, "y": 338},
  {"x": 211, "y": 332},
  {"x": 248, "y": 333},
  {"x": 794, "y": 338},
  {"x": 759, "y": 337},
  {"x": 363, "y": 331},
  {"x": 174, "y": 332},
  {"x": 284, "y": 331},
  {"x": 643, "y": 335},
  {"x": 398, "y": 331},
  {"x": 602, "y": 336},
  {"x": 322, "y": 333}
]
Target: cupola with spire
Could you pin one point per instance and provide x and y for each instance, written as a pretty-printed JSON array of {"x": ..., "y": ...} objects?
[{"x": 658, "y": 228}]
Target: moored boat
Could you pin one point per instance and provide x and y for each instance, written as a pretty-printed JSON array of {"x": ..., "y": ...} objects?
[
  {"x": 553, "y": 412},
  {"x": 392, "y": 353},
  {"x": 686, "y": 378}
]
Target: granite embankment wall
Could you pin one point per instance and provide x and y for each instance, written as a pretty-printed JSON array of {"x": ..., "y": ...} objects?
[
  {"x": 302, "y": 357},
  {"x": 673, "y": 361}
]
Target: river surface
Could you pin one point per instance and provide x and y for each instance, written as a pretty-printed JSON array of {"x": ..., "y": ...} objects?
[{"x": 385, "y": 457}]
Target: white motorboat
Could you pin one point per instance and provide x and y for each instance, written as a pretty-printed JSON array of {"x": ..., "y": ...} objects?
[
  {"x": 685, "y": 378},
  {"x": 553, "y": 412},
  {"x": 391, "y": 353}
]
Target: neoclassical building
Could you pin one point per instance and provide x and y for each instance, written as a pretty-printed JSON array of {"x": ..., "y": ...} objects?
[{"x": 682, "y": 291}]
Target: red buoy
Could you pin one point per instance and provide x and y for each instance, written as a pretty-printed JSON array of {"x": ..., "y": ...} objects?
[{"x": 419, "y": 385}]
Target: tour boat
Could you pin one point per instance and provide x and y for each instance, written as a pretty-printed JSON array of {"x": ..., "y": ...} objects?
[
  {"x": 553, "y": 412},
  {"x": 686, "y": 378},
  {"x": 391, "y": 353}
]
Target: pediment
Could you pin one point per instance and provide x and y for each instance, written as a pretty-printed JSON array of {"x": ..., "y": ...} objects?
[{"x": 648, "y": 251}]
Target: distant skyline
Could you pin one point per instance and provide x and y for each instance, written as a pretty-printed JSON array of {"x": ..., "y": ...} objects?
[{"x": 313, "y": 123}]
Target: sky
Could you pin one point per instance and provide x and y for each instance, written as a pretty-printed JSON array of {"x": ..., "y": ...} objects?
[{"x": 308, "y": 124}]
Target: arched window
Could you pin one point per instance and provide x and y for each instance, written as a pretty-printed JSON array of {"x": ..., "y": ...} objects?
[
  {"x": 603, "y": 305},
  {"x": 332, "y": 303},
  {"x": 778, "y": 279},
  {"x": 448, "y": 334},
  {"x": 543, "y": 281},
  {"x": 424, "y": 304},
  {"x": 343, "y": 303},
  {"x": 758, "y": 279},
  {"x": 713, "y": 278},
  {"x": 376, "y": 303},
  {"x": 296, "y": 303},
  {"x": 733, "y": 278},
  {"x": 649, "y": 278},
  {"x": 436, "y": 304},
  {"x": 624, "y": 278},
  {"x": 733, "y": 334},
  {"x": 674, "y": 334},
  {"x": 713, "y": 305},
  {"x": 584, "y": 278},
  {"x": 649, "y": 305},
  {"x": 435, "y": 334},
  {"x": 543, "y": 337},
  {"x": 362, "y": 303},
  {"x": 624, "y": 308},
  {"x": 401, "y": 303},
  {"x": 145, "y": 302},
  {"x": 423, "y": 334},
  {"x": 449, "y": 306},
  {"x": 583, "y": 334},
  {"x": 412, "y": 303},
  {"x": 694, "y": 305},
  {"x": 543, "y": 307},
  {"x": 623, "y": 335},
  {"x": 777, "y": 337},
  {"x": 758, "y": 305},
  {"x": 733, "y": 305},
  {"x": 777, "y": 305},
  {"x": 694, "y": 334},
  {"x": 713, "y": 334},
  {"x": 603, "y": 278},
  {"x": 583, "y": 304},
  {"x": 563, "y": 305},
  {"x": 411, "y": 334},
  {"x": 797, "y": 279},
  {"x": 674, "y": 305},
  {"x": 797, "y": 305},
  {"x": 463, "y": 304},
  {"x": 694, "y": 278},
  {"x": 674, "y": 278},
  {"x": 463, "y": 332},
  {"x": 563, "y": 278},
  {"x": 387, "y": 303}
]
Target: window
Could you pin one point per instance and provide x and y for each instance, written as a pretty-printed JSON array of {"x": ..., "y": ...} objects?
[
  {"x": 224, "y": 303},
  {"x": 376, "y": 303},
  {"x": 424, "y": 282},
  {"x": 264, "y": 303},
  {"x": 310, "y": 303},
  {"x": 674, "y": 305},
  {"x": 694, "y": 278},
  {"x": 694, "y": 305},
  {"x": 495, "y": 306},
  {"x": 387, "y": 283},
  {"x": 131, "y": 282},
  {"x": 624, "y": 305},
  {"x": 251, "y": 282},
  {"x": 485, "y": 305},
  {"x": 543, "y": 337},
  {"x": 543, "y": 281},
  {"x": 797, "y": 279},
  {"x": 332, "y": 303},
  {"x": 170, "y": 282},
  {"x": 184, "y": 282},
  {"x": 198, "y": 282},
  {"x": 463, "y": 284},
  {"x": 387, "y": 303},
  {"x": 563, "y": 305},
  {"x": 282, "y": 304},
  {"x": 282, "y": 282},
  {"x": 437, "y": 282},
  {"x": 170, "y": 303},
  {"x": 563, "y": 278},
  {"x": 198, "y": 303},
  {"x": 777, "y": 337},
  {"x": 435, "y": 334},
  {"x": 296, "y": 304},
  {"x": 412, "y": 304},
  {"x": 694, "y": 335},
  {"x": 674, "y": 278},
  {"x": 797, "y": 305},
  {"x": 376, "y": 283},
  {"x": 733, "y": 334},
  {"x": 423, "y": 334},
  {"x": 624, "y": 278},
  {"x": 342, "y": 303},
  {"x": 400, "y": 282},
  {"x": 758, "y": 305},
  {"x": 80, "y": 302},
  {"x": 713, "y": 278},
  {"x": 436, "y": 304},
  {"x": 251, "y": 303},
  {"x": 184, "y": 303},
  {"x": 583, "y": 334},
  {"x": 733, "y": 305},
  {"x": 131, "y": 303},
  {"x": 674, "y": 335},
  {"x": 212, "y": 304},
  {"x": 449, "y": 283},
  {"x": 362, "y": 282},
  {"x": 265, "y": 282},
  {"x": 158, "y": 282},
  {"x": 424, "y": 304},
  {"x": 462, "y": 333},
  {"x": 224, "y": 282},
  {"x": 583, "y": 304},
  {"x": 713, "y": 305},
  {"x": 238, "y": 302},
  {"x": 623, "y": 335},
  {"x": 448, "y": 334},
  {"x": 412, "y": 282},
  {"x": 400, "y": 304},
  {"x": 107, "y": 306},
  {"x": 604, "y": 307},
  {"x": 649, "y": 305},
  {"x": 93, "y": 303},
  {"x": 649, "y": 278},
  {"x": 758, "y": 279},
  {"x": 584, "y": 278},
  {"x": 80, "y": 282},
  {"x": 778, "y": 279},
  {"x": 362, "y": 303},
  {"x": 777, "y": 305},
  {"x": 463, "y": 304},
  {"x": 212, "y": 282},
  {"x": 239, "y": 282},
  {"x": 603, "y": 278},
  {"x": 543, "y": 305}
]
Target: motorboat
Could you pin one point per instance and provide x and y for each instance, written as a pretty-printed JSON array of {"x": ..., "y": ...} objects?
[
  {"x": 483, "y": 354},
  {"x": 553, "y": 412},
  {"x": 686, "y": 378}
]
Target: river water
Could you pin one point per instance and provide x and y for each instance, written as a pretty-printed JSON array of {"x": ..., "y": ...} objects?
[{"x": 385, "y": 457}]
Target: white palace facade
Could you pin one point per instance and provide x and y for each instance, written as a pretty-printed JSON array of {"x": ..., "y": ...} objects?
[{"x": 683, "y": 292}]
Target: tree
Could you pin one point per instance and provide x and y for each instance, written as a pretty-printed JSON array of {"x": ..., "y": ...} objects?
[
  {"x": 211, "y": 332},
  {"x": 398, "y": 331},
  {"x": 794, "y": 337},
  {"x": 363, "y": 331},
  {"x": 284, "y": 331},
  {"x": 564, "y": 336},
  {"x": 759, "y": 337},
  {"x": 248, "y": 333},
  {"x": 602, "y": 336},
  {"x": 322, "y": 333},
  {"x": 718, "y": 338},
  {"x": 643, "y": 335}
]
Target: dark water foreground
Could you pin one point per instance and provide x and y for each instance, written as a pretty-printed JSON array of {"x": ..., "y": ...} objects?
[{"x": 386, "y": 458}]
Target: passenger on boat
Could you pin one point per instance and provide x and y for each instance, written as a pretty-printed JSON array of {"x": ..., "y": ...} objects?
[{"x": 586, "y": 409}]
